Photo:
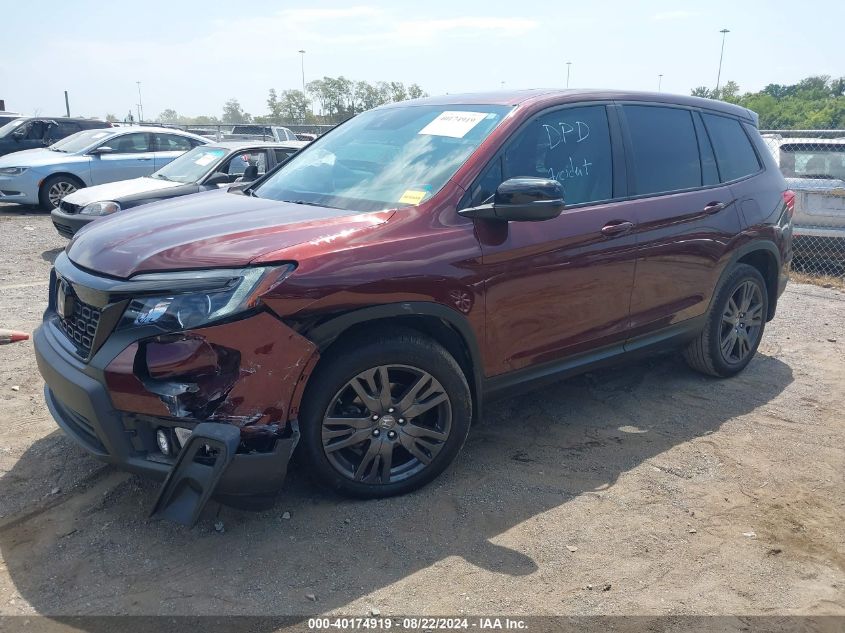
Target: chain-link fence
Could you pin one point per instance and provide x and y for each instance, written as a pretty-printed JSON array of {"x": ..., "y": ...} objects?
[{"x": 813, "y": 163}]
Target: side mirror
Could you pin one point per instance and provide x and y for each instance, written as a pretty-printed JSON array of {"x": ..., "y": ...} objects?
[
  {"x": 217, "y": 178},
  {"x": 521, "y": 200},
  {"x": 102, "y": 149},
  {"x": 19, "y": 133}
]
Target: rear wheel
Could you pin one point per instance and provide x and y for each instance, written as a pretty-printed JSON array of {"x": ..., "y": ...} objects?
[
  {"x": 385, "y": 417},
  {"x": 734, "y": 325},
  {"x": 55, "y": 188}
]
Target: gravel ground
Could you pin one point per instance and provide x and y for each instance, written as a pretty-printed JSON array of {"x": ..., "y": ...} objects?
[{"x": 641, "y": 489}]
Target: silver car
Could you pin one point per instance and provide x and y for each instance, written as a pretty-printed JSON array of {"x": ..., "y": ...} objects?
[
  {"x": 92, "y": 157},
  {"x": 814, "y": 169}
]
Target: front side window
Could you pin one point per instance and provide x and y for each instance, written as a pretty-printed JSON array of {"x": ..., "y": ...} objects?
[
  {"x": 192, "y": 165},
  {"x": 136, "y": 143},
  {"x": 572, "y": 146},
  {"x": 247, "y": 165},
  {"x": 385, "y": 158},
  {"x": 734, "y": 154},
  {"x": 665, "y": 148}
]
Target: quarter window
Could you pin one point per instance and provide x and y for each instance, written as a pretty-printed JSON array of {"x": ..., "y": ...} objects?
[
  {"x": 665, "y": 149},
  {"x": 734, "y": 153}
]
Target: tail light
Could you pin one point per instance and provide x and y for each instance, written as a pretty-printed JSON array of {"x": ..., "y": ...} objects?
[{"x": 789, "y": 199}]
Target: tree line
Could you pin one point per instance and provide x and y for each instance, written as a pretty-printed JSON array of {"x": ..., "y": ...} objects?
[
  {"x": 329, "y": 100},
  {"x": 814, "y": 103}
]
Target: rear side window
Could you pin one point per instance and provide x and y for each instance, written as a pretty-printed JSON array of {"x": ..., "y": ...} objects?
[
  {"x": 734, "y": 152},
  {"x": 283, "y": 154},
  {"x": 665, "y": 149},
  {"x": 172, "y": 143}
]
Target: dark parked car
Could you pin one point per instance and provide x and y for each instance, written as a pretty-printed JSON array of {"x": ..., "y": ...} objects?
[
  {"x": 369, "y": 299},
  {"x": 31, "y": 132},
  {"x": 200, "y": 169}
]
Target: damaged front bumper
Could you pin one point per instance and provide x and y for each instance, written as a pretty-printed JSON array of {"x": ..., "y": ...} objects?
[{"x": 248, "y": 373}]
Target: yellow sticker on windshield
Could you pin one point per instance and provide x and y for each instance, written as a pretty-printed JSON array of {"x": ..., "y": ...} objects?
[{"x": 412, "y": 196}]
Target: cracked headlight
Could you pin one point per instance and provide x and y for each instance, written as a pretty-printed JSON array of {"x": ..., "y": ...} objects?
[
  {"x": 105, "y": 207},
  {"x": 202, "y": 297}
]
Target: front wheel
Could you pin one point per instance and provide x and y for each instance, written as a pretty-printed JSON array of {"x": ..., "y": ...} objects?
[
  {"x": 54, "y": 189},
  {"x": 385, "y": 417},
  {"x": 734, "y": 325}
]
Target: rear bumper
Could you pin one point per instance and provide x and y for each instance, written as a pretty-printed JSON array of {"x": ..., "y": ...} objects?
[
  {"x": 67, "y": 224},
  {"x": 80, "y": 403}
]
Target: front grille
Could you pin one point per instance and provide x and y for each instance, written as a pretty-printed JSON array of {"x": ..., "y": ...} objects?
[
  {"x": 64, "y": 231},
  {"x": 69, "y": 207},
  {"x": 80, "y": 326}
]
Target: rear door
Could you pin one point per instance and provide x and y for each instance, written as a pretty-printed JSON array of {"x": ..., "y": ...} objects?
[
  {"x": 131, "y": 157},
  {"x": 685, "y": 216},
  {"x": 169, "y": 146},
  {"x": 562, "y": 286}
]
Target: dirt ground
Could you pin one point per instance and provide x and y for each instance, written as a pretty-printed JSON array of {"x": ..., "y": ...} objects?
[{"x": 642, "y": 489}]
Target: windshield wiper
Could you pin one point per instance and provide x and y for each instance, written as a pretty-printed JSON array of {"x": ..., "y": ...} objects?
[
  {"x": 160, "y": 176},
  {"x": 310, "y": 204},
  {"x": 55, "y": 149}
]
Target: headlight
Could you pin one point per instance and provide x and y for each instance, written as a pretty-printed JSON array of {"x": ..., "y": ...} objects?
[
  {"x": 12, "y": 171},
  {"x": 100, "y": 208},
  {"x": 230, "y": 291}
]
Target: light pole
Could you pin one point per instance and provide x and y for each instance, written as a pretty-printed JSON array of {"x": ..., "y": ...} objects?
[
  {"x": 302, "y": 66},
  {"x": 140, "y": 104},
  {"x": 721, "y": 55},
  {"x": 659, "y": 82},
  {"x": 568, "y": 64}
]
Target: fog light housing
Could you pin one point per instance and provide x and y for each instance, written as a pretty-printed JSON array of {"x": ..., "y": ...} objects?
[{"x": 163, "y": 441}]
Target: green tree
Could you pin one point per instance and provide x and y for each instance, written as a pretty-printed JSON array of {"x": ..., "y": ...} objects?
[
  {"x": 111, "y": 118},
  {"x": 169, "y": 116},
  {"x": 233, "y": 113},
  {"x": 416, "y": 92}
]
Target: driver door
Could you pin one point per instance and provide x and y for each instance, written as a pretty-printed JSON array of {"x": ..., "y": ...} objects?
[
  {"x": 131, "y": 157},
  {"x": 563, "y": 286}
]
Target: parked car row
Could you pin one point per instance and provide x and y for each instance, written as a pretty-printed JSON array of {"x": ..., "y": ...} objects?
[
  {"x": 370, "y": 297},
  {"x": 203, "y": 168}
]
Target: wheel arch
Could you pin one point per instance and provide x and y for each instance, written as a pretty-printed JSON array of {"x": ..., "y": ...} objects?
[
  {"x": 765, "y": 257},
  {"x": 449, "y": 328}
]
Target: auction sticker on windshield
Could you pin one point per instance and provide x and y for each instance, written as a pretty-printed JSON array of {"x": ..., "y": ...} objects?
[{"x": 453, "y": 123}]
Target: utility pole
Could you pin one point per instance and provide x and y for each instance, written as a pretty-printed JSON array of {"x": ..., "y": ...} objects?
[
  {"x": 302, "y": 66},
  {"x": 67, "y": 105},
  {"x": 721, "y": 56},
  {"x": 140, "y": 104},
  {"x": 568, "y": 64},
  {"x": 659, "y": 82}
]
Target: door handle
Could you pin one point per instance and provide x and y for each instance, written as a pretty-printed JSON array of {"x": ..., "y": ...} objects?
[
  {"x": 715, "y": 207},
  {"x": 617, "y": 227},
  {"x": 147, "y": 158}
]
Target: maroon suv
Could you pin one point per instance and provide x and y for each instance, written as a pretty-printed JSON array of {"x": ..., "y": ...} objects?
[{"x": 367, "y": 299}]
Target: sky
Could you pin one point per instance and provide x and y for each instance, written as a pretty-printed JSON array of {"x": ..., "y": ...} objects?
[{"x": 192, "y": 56}]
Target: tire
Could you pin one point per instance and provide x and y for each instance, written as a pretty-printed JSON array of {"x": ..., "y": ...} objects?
[
  {"x": 57, "y": 185},
  {"x": 733, "y": 329},
  {"x": 420, "y": 423}
]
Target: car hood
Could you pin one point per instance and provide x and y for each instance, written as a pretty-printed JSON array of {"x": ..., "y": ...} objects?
[
  {"x": 117, "y": 190},
  {"x": 206, "y": 230},
  {"x": 37, "y": 157}
]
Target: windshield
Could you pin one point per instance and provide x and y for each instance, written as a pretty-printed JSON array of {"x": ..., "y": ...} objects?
[
  {"x": 10, "y": 127},
  {"x": 384, "y": 159},
  {"x": 79, "y": 141},
  {"x": 192, "y": 165},
  {"x": 808, "y": 160}
]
